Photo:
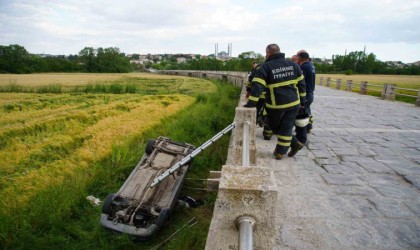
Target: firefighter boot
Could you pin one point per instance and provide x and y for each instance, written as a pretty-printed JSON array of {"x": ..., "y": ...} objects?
[
  {"x": 295, "y": 147},
  {"x": 267, "y": 133},
  {"x": 278, "y": 156},
  {"x": 276, "y": 153}
]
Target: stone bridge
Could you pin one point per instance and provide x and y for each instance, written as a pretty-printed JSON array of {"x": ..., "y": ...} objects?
[{"x": 355, "y": 185}]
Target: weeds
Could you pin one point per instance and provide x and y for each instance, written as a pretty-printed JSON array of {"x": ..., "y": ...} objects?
[{"x": 90, "y": 148}]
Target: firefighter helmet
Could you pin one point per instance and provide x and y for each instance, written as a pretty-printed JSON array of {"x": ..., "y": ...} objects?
[{"x": 302, "y": 118}]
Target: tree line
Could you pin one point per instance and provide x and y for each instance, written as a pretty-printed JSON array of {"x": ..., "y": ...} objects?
[
  {"x": 242, "y": 63},
  {"x": 357, "y": 62},
  {"x": 16, "y": 59},
  {"x": 361, "y": 63}
]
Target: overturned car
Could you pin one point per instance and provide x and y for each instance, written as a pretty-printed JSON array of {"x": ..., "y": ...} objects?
[{"x": 140, "y": 208}]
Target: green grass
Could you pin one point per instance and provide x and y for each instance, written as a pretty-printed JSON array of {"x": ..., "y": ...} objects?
[{"x": 61, "y": 218}]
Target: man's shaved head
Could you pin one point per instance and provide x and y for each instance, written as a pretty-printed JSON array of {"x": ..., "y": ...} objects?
[{"x": 272, "y": 49}]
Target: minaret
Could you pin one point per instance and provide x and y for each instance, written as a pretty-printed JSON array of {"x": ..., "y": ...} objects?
[{"x": 215, "y": 49}]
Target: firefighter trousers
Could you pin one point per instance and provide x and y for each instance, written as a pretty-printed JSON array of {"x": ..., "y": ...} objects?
[
  {"x": 309, "y": 99},
  {"x": 281, "y": 123},
  {"x": 262, "y": 119}
]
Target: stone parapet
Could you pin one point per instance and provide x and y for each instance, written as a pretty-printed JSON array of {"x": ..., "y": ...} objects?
[
  {"x": 243, "y": 191},
  {"x": 235, "y": 148},
  {"x": 388, "y": 91}
]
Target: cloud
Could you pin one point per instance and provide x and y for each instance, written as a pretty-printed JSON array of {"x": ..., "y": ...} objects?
[{"x": 195, "y": 26}]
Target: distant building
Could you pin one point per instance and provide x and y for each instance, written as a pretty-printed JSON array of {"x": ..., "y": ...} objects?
[
  {"x": 395, "y": 64},
  {"x": 136, "y": 61},
  {"x": 181, "y": 59},
  {"x": 49, "y": 55},
  {"x": 223, "y": 55},
  {"x": 414, "y": 63},
  {"x": 328, "y": 61}
]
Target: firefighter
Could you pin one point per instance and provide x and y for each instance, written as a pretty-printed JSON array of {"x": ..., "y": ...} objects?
[
  {"x": 261, "y": 113},
  {"x": 309, "y": 73},
  {"x": 251, "y": 75},
  {"x": 308, "y": 70},
  {"x": 285, "y": 92}
]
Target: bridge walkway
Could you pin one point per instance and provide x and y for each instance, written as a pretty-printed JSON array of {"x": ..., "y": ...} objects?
[{"x": 356, "y": 184}]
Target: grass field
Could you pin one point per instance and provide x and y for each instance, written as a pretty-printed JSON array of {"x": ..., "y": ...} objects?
[
  {"x": 139, "y": 83},
  {"x": 57, "y": 147},
  {"x": 409, "y": 82}
]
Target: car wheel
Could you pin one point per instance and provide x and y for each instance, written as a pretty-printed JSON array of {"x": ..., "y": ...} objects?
[
  {"x": 163, "y": 218},
  {"x": 149, "y": 146},
  {"x": 106, "y": 207}
]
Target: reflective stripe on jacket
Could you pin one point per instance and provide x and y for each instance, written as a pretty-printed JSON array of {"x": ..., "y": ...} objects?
[
  {"x": 283, "y": 82},
  {"x": 249, "y": 83}
]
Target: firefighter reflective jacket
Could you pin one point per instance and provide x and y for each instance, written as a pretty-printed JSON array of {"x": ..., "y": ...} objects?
[
  {"x": 283, "y": 82},
  {"x": 249, "y": 83}
]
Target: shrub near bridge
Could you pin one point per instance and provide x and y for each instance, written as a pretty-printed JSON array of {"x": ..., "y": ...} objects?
[{"x": 56, "y": 149}]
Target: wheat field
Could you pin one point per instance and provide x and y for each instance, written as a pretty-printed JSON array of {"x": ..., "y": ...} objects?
[
  {"x": 401, "y": 81},
  {"x": 46, "y": 137}
]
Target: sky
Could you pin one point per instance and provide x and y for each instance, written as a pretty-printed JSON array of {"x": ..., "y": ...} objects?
[{"x": 388, "y": 28}]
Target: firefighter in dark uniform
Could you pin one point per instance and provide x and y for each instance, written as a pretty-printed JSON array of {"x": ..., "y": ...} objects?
[
  {"x": 285, "y": 92},
  {"x": 308, "y": 70},
  {"x": 261, "y": 113}
]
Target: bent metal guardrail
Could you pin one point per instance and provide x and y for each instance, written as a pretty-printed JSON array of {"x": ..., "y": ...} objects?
[
  {"x": 387, "y": 90},
  {"x": 189, "y": 157}
]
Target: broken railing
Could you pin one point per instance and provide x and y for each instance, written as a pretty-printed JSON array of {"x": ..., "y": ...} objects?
[{"x": 244, "y": 211}]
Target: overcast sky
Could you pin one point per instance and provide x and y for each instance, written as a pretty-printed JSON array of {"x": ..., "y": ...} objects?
[{"x": 388, "y": 28}]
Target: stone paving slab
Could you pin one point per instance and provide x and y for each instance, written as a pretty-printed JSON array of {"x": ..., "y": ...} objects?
[{"x": 356, "y": 184}]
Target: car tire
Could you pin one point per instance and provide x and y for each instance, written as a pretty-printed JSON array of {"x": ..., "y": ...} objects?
[
  {"x": 149, "y": 146},
  {"x": 106, "y": 207},
  {"x": 163, "y": 218}
]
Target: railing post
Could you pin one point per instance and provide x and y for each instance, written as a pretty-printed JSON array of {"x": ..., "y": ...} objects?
[
  {"x": 363, "y": 87},
  {"x": 388, "y": 91},
  {"x": 246, "y": 229},
  {"x": 320, "y": 80},
  {"x": 349, "y": 86},
  {"x": 418, "y": 100},
  {"x": 338, "y": 85},
  {"x": 328, "y": 82},
  {"x": 243, "y": 115},
  {"x": 245, "y": 145},
  {"x": 383, "y": 93}
]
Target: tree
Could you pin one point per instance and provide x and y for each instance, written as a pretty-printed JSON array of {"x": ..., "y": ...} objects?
[
  {"x": 104, "y": 60},
  {"x": 87, "y": 56},
  {"x": 14, "y": 59}
]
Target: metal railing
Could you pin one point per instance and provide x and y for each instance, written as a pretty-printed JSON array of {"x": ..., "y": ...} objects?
[
  {"x": 245, "y": 225},
  {"x": 189, "y": 157},
  {"x": 407, "y": 90},
  {"x": 387, "y": 90},
  {"x": 245, "y": 145}
]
